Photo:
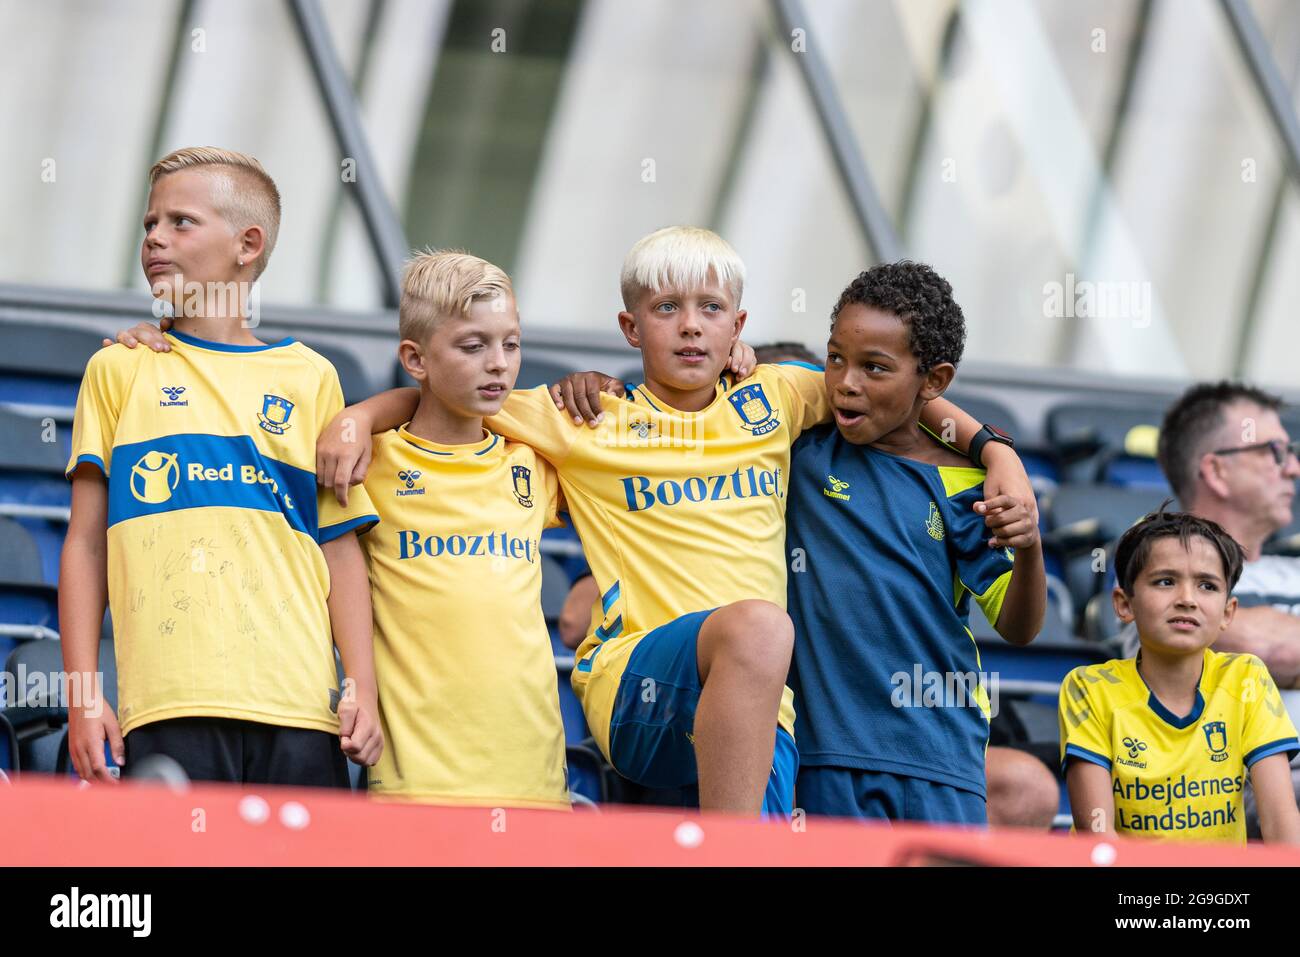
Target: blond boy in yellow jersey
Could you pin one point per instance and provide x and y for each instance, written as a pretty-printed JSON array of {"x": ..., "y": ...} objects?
[
  {"x": 467, "y": 684},
  {"x": 1160, "y": 745},
  {"x": 195, "y": 514}
]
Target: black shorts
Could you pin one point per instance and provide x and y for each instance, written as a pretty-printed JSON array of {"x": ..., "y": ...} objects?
[{"x": 241, "y": 752}]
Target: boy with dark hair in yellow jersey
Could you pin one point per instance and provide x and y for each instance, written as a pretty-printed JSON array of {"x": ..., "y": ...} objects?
[
  {"x": 195, "y": 513},
  {"x": 1159, "y": 745}
]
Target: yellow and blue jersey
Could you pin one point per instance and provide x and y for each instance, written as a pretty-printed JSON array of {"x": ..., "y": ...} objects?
[
  {"x": 467, "y": 685},
  {"x": 678, "y": 511},
  {"x": 886, "y": 554},
  {"x": 216, "y": 579},
  {"x": 1176, "y": 777}
]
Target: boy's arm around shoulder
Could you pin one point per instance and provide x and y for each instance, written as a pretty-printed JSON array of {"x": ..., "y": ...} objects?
[{"x": 343, "y": 448}]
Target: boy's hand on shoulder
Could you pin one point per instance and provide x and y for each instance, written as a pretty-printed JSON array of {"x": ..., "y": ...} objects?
[
  {"x": 88, "y": 728},
  {"x": 1011, "y": 520},
  {"x": 360, "y": 736},
  {"x": 1006, "y": 483},
  {"x": 343, "y": 452},
  {"x": 578, "y": 394},
  {"x": 146, "y": 333},
  {"x": 743, "y": 360}
]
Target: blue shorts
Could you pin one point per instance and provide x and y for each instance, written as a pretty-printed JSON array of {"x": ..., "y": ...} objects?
[
  {"x": 851, "y": 792},
  {"x": 652, "y": 722}
]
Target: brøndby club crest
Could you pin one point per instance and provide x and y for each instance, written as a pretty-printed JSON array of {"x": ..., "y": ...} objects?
[
  {"x": 275, "y": 413},
  {"x": 754, "y": 410},
  {"x": 522, "y": 476},
  {"x": 1216, "y": 737}
]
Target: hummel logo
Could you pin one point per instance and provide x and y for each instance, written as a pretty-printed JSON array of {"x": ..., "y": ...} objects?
[
  {"x": 409, "y": 477},
  {"x": 836, "y": 489},
  {"x": 174, "y": 393}
]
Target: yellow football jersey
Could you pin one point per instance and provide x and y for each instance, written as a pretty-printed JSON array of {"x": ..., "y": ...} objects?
[
  {"x": 1176, "y": 777},
  {"x": 677, "y": 511},
  {"x": 216, "y": 580},
  {"x": 467, "y": 683}
]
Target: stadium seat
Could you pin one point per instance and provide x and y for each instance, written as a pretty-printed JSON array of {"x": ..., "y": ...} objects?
[
  {"x": 562, "y": 544},
  {"x": 1042, "y": 468},
  {"x": 37, "y": 716},
  {"x": 1100, "y": 623},
  {"x": 1085, "y": 517},
  {"x": 47, "y": 527},
  {"x": 353, "y": 378},
  {"x": 555, "y": 588},
  {"x": 588, "y": 772},
  {"x": 540, "y": 371},
  {"x": 8, "y": 747},
  {"x": 41, "y": 364},
  {"x": 1040, "y": 462},
  {"x": 31, "y": 469},
  {"x": 1036, "y": 721},
  {"x": 27, "y": 600},
  {"x": 987, "y": 410},
  {"x": 28, "y": 611},
  {"x": 20, "y": 558},
  {"x": 1088, "y": 434},
  {"x": 1133, "y": 471}
]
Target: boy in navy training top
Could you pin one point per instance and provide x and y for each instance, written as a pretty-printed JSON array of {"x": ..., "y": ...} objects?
[{"x": 887, "y": 553}]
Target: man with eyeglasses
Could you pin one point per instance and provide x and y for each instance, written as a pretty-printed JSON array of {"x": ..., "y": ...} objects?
[{"x": 1228, "y": 458}]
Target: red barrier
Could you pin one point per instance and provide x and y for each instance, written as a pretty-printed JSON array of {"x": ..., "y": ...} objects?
[{"x": 49, "y": 822}]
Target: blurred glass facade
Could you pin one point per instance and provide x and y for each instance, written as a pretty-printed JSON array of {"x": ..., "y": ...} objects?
[{"x": 1101, "y": 181}]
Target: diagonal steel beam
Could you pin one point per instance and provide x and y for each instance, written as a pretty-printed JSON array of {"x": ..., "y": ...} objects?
[
  {"x": 1268, "y": 79},
  {"x": 382, "y": 223},
  {"x": 877, "y": 228}
]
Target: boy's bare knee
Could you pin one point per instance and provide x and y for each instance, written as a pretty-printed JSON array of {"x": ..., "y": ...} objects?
[{"x": 756, "y": 636}]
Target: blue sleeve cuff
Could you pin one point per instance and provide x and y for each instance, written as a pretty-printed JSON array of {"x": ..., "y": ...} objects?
[
  {"x": 94, "y": 460},
  {"x": 801, "y": 364},
  {"x": 1083, "y": 754},
  {"x": 1290, "y": 745},
  {"x": 330, "y": 532}
]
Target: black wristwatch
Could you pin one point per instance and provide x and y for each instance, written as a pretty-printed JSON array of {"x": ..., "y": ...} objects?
[{"x": 982, "y": 438}]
